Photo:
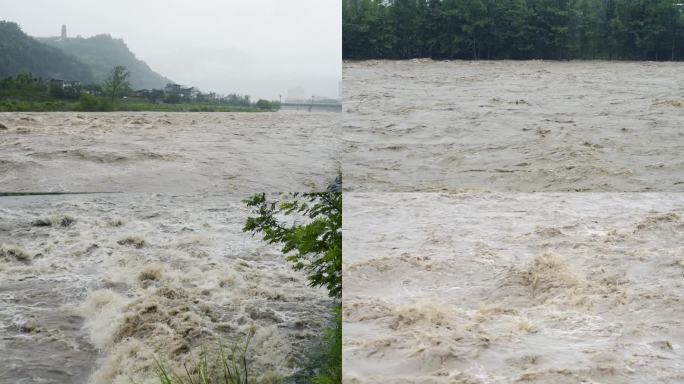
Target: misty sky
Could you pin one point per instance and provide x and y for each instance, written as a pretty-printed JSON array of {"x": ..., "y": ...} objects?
[{"x": 257, "y": 47}]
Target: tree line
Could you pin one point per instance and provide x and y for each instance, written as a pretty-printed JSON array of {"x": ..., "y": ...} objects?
[
  {"x": 26, "y": 92},
  {"x": 514, "y": 29}
]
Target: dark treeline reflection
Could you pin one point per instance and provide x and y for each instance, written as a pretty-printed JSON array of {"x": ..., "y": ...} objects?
[{"x": 514, "y": 29}]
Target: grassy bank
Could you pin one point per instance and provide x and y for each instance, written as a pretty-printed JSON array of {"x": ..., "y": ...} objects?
[
  {"x": 38, "y": 99},
  {"x": 106, "y": 105}
]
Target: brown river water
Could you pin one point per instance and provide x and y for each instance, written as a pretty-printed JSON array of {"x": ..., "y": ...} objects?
[
  {"x": 168, "y": 152},
  {"x": 519, "y": 126},
  {"x": 93, "y": 288},
  {"x": 562, "y": 288}
]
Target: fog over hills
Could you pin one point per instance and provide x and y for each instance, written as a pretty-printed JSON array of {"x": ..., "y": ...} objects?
[
  {"x": 20, "y": 53},
  {"x": 102, "y": 52},
  {"x": 259, "y": 47}
]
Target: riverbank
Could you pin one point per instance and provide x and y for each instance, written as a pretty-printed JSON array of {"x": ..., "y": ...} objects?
[{"x": 106, "y": 105}]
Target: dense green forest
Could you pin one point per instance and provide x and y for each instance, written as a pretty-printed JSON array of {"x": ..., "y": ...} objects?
[
  {"x": 514, "y": 29},
  {"x": 101, "y": 52},
  {"x": 20, "y": 53}
]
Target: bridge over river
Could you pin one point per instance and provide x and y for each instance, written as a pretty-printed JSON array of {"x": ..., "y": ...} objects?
[{"x": 329, "y": 107}]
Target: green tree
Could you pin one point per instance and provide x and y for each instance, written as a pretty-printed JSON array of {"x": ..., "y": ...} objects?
[
  {"x": 117, "y": 84},
  {"x": 314, "y": 246},
  {"x": 513, "y": 29}
]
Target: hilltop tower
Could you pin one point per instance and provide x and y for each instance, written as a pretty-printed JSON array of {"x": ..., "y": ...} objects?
[{"x": 64, "y": 34}]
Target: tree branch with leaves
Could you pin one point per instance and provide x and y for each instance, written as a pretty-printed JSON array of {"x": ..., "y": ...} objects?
[{"x": 314, "y": 246}]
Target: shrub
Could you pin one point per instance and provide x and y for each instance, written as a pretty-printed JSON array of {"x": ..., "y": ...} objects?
[
  {"x": 93, "y": 103},
  {"x": 105, "y": 104},
  {"x": 264, "y": 104},
  {"x": 88, "y": 102}
]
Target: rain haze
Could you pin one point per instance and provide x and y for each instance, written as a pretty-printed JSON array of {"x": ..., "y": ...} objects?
[{"x": 259, "y": 47}]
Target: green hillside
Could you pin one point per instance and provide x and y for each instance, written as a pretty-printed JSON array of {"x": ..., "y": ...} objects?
[
  {"x": 102, "y": 52},
  {"x": 20, "y": 53}
]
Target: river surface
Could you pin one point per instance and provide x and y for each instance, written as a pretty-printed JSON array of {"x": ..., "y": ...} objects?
[
  {"x": 93, "y": 288},
  {"x": 562, "y": 288},
  {"x": 519, "y": 126},
  {"x": 168, "y": 152}
]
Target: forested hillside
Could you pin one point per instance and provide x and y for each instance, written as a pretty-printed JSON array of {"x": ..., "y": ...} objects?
[
  {"x": 102, "y": 53},
  {"x": 514, "y": 29},
  {"x": 20, "y": 53}
]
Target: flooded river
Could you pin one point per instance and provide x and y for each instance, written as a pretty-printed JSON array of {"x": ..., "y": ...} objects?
[
  {"x": 94, "y": 287},
  {"x": 520, "y": 126},
  {"x": 514, "y": 288},
  {"x": 171, "y": 152}
]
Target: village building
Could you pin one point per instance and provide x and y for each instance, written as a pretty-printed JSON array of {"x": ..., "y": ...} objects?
[
  {"x": 172, "y": 88},
  {"x": 64, "y": 84},
  {"x": 181, "y": 91},
  {"x": 190, "y": 92}
]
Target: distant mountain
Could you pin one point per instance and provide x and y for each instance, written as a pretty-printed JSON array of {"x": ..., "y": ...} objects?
[
  {"x": 102, "y": 53},
  {"x": 20, "y": 53}
]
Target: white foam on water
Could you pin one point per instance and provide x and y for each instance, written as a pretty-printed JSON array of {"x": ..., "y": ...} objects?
[
  {"x": 134, "y": 277},
  {"x": 513, "y": 288}
]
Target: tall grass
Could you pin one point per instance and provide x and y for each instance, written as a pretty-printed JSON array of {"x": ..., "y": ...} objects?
[
  {"x": 331, "y": 369},
  {"x": 227, "y": 366}
]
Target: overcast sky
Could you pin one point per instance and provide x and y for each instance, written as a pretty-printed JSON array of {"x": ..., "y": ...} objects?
[{"x": 257, "y": 47}]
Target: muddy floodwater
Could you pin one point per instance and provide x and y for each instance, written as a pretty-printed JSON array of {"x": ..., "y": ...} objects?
[
  {"x": 519, "y": 126},
  {"x": 94, "y": 287},
  {"x": 175, "y": 152},
  {"x": 514, "y": 288}
]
